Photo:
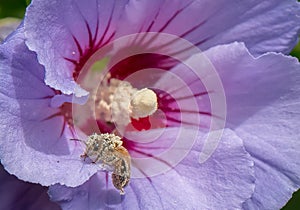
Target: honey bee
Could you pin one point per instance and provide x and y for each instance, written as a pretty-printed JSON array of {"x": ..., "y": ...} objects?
[{"x": 107, "y": 149}]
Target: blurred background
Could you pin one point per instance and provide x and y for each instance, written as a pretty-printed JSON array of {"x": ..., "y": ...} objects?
[{"x": 11, "y": 13}]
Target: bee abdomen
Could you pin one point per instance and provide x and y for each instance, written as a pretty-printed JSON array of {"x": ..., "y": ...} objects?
[{"x": 120, "y": 181}]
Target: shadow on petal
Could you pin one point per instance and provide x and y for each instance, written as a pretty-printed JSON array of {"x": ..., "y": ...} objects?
[{"x": 16, "y": 194}]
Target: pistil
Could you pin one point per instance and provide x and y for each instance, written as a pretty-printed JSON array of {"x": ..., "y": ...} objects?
[{"x": 118, "y": 102}]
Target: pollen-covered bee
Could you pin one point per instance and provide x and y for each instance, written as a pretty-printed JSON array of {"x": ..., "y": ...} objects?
[{"x": 107, "y": 149}]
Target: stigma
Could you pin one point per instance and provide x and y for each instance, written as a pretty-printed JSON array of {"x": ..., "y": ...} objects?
[{"x": 143, "y": 103}]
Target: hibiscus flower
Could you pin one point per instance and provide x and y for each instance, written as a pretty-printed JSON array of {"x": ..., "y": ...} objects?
[{"x": 201, "y": 94}]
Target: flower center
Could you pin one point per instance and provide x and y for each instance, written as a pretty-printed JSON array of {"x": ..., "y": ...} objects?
[{"x": 120, "y": 103}]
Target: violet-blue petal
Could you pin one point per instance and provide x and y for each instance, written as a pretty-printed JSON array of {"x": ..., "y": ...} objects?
[
  {"x": 225, "y": 180},
  {"x": 16, "y": 194},
  {"x": 59, "y": 100},
  {"x": 35, "y": 140},
  {"x": 263, "y": 25},
  {"x": 263, "y": 109},
  {"x": 65, "y": 33}
]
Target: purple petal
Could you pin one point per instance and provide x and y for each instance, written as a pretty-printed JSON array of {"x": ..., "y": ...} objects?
[
  {"x": 35, "y": 139},
  {"x": 197, "y": 91},
  {"x": 66, "y": 33},
  {"x": 59, "y": 100},
  {"x": 225, "y": 180},
  {"x": 263, "y": 108},
  {"x": 16, "y": 194},
  {"x": 263, "y": 25}
]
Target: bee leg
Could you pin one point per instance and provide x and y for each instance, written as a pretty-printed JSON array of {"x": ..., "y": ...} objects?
[
  {"x": 84, "y": 156},
  {"x": 122, "y": 192},
  {"x": 96, "y": 160}
]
